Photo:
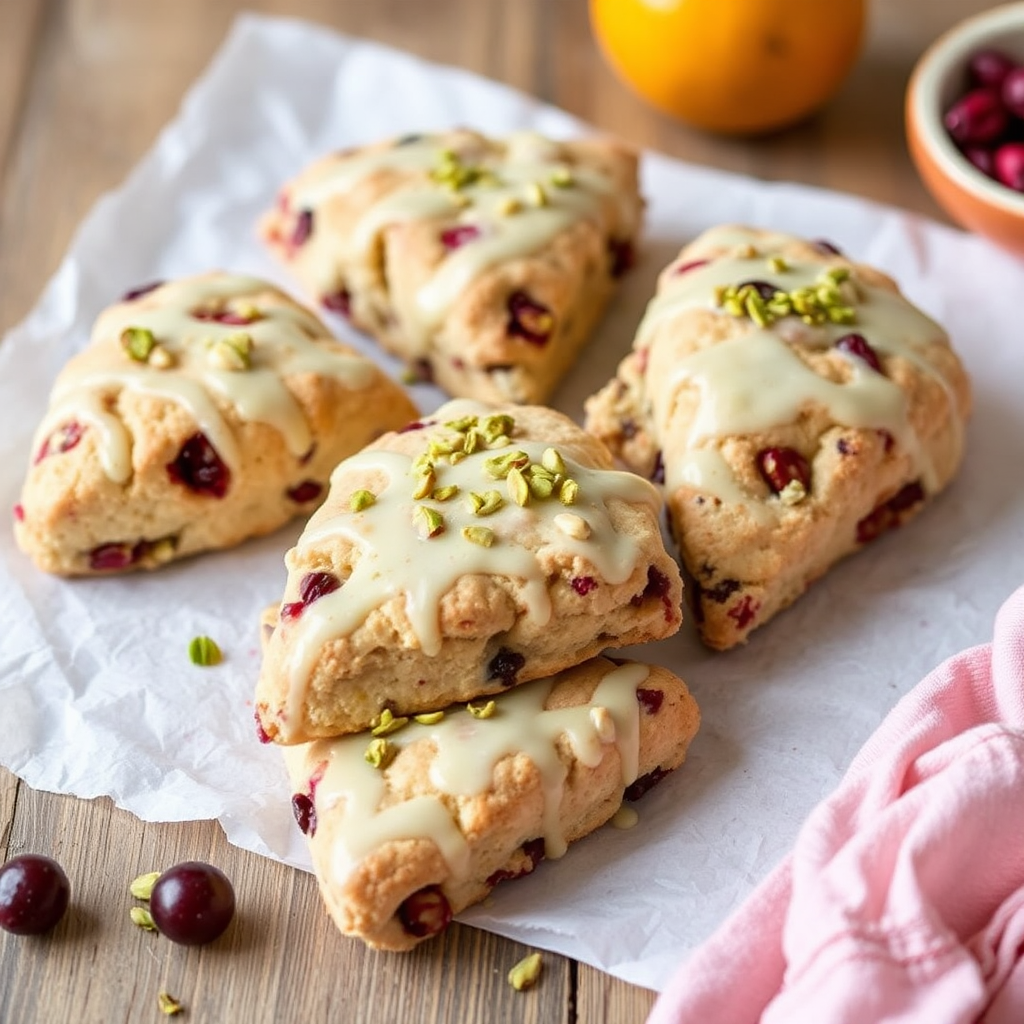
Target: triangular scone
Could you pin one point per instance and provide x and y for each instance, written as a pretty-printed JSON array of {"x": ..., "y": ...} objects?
[
  {"x": 483, "y": 263},
  {"x": 487, "y": 547},
  {"x": 409, "y": 828},
  {"x": 794, "y": 404},
  {"x": 203, "y": 411}
]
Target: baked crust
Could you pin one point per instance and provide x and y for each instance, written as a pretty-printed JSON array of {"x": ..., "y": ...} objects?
[{"x": 706, "y": 392}]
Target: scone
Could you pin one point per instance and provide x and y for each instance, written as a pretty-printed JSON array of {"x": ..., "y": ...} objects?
[
  {"x": 794, "y": 404},
  {"x": 204, "y": 411},
  {"x": 475, "y": 550},
  {"x": 482, "y": 263},
  {"x": 412, "y": 825}
]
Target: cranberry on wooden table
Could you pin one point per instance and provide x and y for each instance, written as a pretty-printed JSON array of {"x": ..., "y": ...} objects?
[
  {"x": 192, "y": 903},
  {"x": 34, "y": 893}
]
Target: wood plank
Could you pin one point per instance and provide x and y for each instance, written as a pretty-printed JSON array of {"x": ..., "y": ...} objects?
[
  {"x": 20, "y": 25},
  {"x": 602, "y": 999}
]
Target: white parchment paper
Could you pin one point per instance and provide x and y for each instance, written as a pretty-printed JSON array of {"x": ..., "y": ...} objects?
[{"x": 97, "y": 695}]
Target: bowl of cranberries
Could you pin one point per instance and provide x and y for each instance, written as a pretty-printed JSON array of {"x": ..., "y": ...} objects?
[{"x": 965, "y": 123}]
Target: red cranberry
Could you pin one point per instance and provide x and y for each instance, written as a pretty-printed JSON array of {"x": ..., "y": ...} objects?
[
  {"x": 426, "y": 912},
  {"x": 261, "y": 734},
  {"x": 645, "y": 783},
  {"x": 765, "y": 289},
  {"x": 1009, "y": 164},
  {"x": 506, "y": 665},
  {"x": 19, "y": 512},
  {"x": 721, "y": 591},
  {"x": 290, "y": 610},
  {"x": 305, "y": 814},
  {"x": 308, "y": 490},
  {"x": 410, "y": 427},
  {"x": 658, "y": 585},
  {"x": 744, "y": 611},
  {"x": 461, "y": 234},
  {"x": 1012, "y": 92},
  {"x": 781, "y": 466},
  {"x": 303, "y": 228},
  {"x": 225, "y": 316},
  {"x": 583, "y": 585},
  {"x": 857, "y": 345},
  {"x": 192, "y": 903},
  {"x": 315, "y": 585},
  {"x": 658, "y": 472},
  {"x": 689, "y": 265},
  {"x": 888, "y": 515},
  {"x": 989, "y": 68},
  {"x": 199, "y": 468},
  {"x": 339, "y": 302},
  {"x": 112, "y": 557},
  {"x": 982, "y": 158},
  {"x": 650, "y": 700},
  {"x": 623, "y": 256},
  {"x": 888, "y": 441},
  {"x": 976, "y": 118},
  {"x": 34, "y": 893},
  {"x": 534, "y": 850},
  {"x": 61, "y": 440},
  {"x": 826, "y": 248},
  {"x": 137, "y": 293},
  {"x": 529, "y": 320}
]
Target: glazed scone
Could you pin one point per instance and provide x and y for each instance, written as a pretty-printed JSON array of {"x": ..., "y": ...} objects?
[
  {"x": 794, "y": 404},
  {"x": 203, "y": 411},
  {"x": 483, "y": 263},
  {"x": 460, "y": 802},
  {"x": 475, "y": 550}
]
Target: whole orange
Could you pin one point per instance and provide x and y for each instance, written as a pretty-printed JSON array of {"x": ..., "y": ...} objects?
[{"x": 732, "y": 66}]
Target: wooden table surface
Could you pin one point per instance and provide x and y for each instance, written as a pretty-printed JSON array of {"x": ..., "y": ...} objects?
[{"x": 85, "y": 86}]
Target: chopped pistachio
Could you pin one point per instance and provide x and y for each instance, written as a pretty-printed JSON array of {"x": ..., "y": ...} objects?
[
  {"x": 456, "y": 457},
  {"x": 745, "y": 251},
  {"x": 757, "y": 310},
  {"x": 509, "y": 206},
  {"x": 568, "y": 492},
  {"x": 485, "y": 710},
  {"x": 485, "y": 504},
  {"x": 143, "y": 918},
  {"x": 604, "y": 724},
  {"x": 561, "y": 177},
  {"x": 499, "y": 466},
  {"x": 501, "y": 441},
  {"x": 572, "y": 525},
  {"x": 445, "y": 493},
  {"x": 793, "y": 493},
  {"x": 535, "y": 194},
  {"x": 498, "y": 424},
  {"x": 472, "y": 441},
  {"x": 137, "y": 342},
  {"x": 462, "y": 424},
  {"x": 386, "y": 723},
  {"x": 429, "y": 521},
  {"x": 482, "y": 535},
  {"x": 439, "y": 447},
  {"x": 541, "y": 486},
  {"x": 778, "y": 264},
  {"x": 518, "y": 488},
  {"x": 204, "y": 651},
  {"x": 410, "y": 375},
  {"x": 430, "y": 718},
  {"x": 425, "y": 483},
  {"x": 160, "y": 358},
  {"x": 168, "y": 1004},
  {"x": 838, "y": 274},
  {"x": 552, "y": 461},
  {"x": 361, "y": 499},
  {"x": 162, "y": 550},
  {"x": 379, "y": 753},
  {"x": 422, "y": 463},
  {"x": 231, "y": 353},
  {"x": 526, "y": 973},
  {"x": 142, "y": 887}
]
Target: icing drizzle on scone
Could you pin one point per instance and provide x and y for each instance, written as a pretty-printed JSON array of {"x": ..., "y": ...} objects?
[
  {"x": 466, "y": 750},
  {"x": 476, "y": 501},
  {"x": 498, "y": 201},
  {"x": 200, "y": 342},
  {"x": 757, "y": 381}
]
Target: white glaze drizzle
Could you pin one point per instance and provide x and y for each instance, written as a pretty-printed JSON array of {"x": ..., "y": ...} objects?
[
  {"x": 395, "y": 561},
  {"x": 524, "y": 160},
  {"x": 283, "y": 345},
  {"x": 755, "y": 383},
  {"x": 467, "y": 750}
]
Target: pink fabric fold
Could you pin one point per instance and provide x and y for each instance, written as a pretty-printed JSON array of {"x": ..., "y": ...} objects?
[{"x": 902, "y": 900}]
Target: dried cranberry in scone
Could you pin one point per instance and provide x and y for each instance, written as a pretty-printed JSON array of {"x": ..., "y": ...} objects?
[
  {"x": 203, "y": 412},
  {"x": 789, "y": 394},
  {"x": 421, "y": 817},
  {"x": 488, "y": 260}
]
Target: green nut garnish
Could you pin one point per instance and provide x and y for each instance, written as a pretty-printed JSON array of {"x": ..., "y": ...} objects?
[
  {"x": 463, "y": 424},
  {"x": 386, "y": 723},
  {"x": 361, "y": 499},
  {"x": 561, "y": 177},
  {"x": 204, "y": 651},
  {"x": 445, "y": 493},
  {"x": 541, "y": 486},
  {"x": 568, "y": 492},
  {"x": 498, "y": 425},
  {"x": 778, "y": 264},
  {"x": 138, "y": 342},
  {"x": 509, "y": 206},
  {"x": 233, "y": 352},
  {"x": 379, "y": 753},
  {"x": 525, "y": 973},
  {"x": 142, "y": 887},
  {"x": 552, "y": 461},
  {"x": 518, "y": 488},
  {"x": 168, "y": 1004},
  {"x": 424, "y": 485},
  {"x": 472, "y": 441},
  {"x": 499, "y": 466},
  {"x": 430, "y": 718},
  {"x": 535, "y": 194},
  {"x": 478, "y": 710},
  {"x": 820, "y": 303},
  {"x": 429, "y": 521},
  {"x": 486, "y": 503},
  {"x": 482, "y": 535},
  {"x": 143, "y": 918},
  {"x": 439, "y": 447}
]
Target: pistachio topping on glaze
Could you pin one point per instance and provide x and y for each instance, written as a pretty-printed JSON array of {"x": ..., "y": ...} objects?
[{"x": 414, "y": 543}]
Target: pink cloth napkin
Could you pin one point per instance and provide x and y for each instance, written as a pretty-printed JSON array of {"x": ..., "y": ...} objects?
[{"x": 903, "y": 898}]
